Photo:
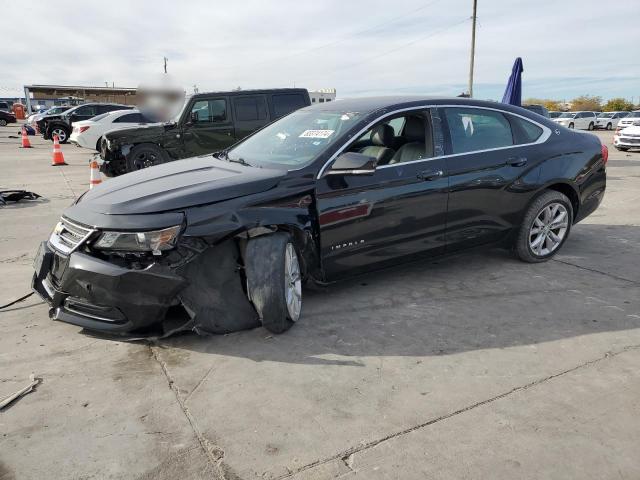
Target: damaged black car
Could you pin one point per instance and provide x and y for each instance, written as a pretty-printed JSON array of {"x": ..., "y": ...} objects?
[{"x": 224, "y": 242}]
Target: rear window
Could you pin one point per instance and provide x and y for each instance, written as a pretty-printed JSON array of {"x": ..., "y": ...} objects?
[
  {"x": 250, "y": 108},
  {"x": 284, "y": 103}
]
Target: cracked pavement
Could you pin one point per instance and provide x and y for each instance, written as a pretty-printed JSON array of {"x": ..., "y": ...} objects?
[{"x": 476, "y": 366}]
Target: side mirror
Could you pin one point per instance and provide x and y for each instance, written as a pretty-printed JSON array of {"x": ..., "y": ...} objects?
[
  {"x": 193, "y": 117},
  {"x": 352, "y": 163}
]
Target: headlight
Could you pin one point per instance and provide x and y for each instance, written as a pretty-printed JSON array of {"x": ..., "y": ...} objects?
[{"x": 154, "y": 241}]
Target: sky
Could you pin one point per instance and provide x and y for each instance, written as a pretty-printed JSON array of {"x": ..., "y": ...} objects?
[{"x": 361, "y": 48}]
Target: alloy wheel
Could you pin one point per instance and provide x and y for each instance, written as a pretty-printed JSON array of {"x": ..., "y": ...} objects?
[
  {"x": 292, "y": 283},
  {"x": 548, "y": 229},
  {"x": 60, "y": 133}
]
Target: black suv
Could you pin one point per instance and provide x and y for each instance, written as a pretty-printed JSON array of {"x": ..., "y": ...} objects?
[
  {"x": 208, "y": 122},
  {"x": 61, "y": 124}
]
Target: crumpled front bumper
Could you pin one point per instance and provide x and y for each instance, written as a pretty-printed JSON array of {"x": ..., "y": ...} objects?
[{"x": 99, "y": 295}]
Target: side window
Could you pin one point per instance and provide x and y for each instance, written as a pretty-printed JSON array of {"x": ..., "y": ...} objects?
[
  {"x": 284, "y": 103},
  {"x": 397, "y": 124},
  {"x": 249, "y": 109},
  {"x": 209, "y": 111},
  {"x": 524, "y": 131},
  {"x": 473, "y": 129},
  {"x": 86, "y": 110}
]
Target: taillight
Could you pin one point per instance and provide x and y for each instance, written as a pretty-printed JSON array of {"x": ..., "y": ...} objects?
[
  {"x": 83, "y": 129},
  {"x": 605, "y": 154}
]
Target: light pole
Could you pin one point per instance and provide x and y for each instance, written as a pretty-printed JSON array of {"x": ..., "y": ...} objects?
[{"x": 473, "y": 47}]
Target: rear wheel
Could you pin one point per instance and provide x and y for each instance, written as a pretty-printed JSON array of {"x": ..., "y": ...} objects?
[
  {"x": 545, "y": 227},
  {"x": 60, "y": 132},
  {"x": 274, "y": 281},
  {"x": 144, "y": 156},
  {"x": 571, "y": 125}
]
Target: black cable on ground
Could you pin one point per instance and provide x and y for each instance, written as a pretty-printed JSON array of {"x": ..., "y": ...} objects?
[{"x": 16, "y": 301}]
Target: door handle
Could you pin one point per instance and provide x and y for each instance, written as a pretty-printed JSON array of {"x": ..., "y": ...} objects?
[
  {"x": 517, "y": 161},
  {"x": 430, "y": 175}
]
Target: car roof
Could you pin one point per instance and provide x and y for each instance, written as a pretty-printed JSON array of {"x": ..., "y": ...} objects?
[{"x": 250, "y": 92}]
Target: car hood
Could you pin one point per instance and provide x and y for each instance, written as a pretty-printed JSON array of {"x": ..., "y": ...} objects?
[
  {"x": 177, "y": 185},
  {"x": 151, "y": 130}
]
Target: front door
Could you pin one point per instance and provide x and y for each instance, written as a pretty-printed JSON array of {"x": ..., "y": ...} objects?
[
  {"x": 398, "y": 211},
  {"x": 208, "y": 128}
]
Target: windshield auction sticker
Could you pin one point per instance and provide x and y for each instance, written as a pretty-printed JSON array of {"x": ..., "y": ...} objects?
[{"x": 316, "y": 134}]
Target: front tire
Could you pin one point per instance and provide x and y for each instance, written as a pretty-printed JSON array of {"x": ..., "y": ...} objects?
[
  {"x": 590, "y": 127},
  {"x": 571, "y": 125},
  {"x": 3, "y": 122},
  {"x": 63, "y": 135},
  {"x": 274, "y": 281},
  {"x": 609, "y": 126},
  {"x": 545, "y": 227},
  {"x": 145, "y": 155}
]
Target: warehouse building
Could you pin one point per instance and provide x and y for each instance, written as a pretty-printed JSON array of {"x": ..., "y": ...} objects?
[{"x": 46, "y": 96}]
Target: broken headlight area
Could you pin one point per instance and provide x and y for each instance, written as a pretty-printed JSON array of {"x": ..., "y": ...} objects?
[{"x": 155, "y": 241}]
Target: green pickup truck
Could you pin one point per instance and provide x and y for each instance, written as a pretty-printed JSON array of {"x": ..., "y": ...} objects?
[{"x": 208, "y": 122}]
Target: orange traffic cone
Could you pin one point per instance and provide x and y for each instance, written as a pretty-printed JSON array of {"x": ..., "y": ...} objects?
[
  {"x": 95, "y": 178},
  {"x": 58, "y": 158},
  {"x": 25, "y": 139}
]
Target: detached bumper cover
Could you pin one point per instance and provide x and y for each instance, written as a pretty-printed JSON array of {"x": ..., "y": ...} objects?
[{"x": 98, "y": 295}]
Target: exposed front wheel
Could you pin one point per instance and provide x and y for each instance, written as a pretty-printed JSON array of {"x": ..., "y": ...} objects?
[
  {"x": 571, "y": 125},
  {"x": 60, "y": 132},
  {"x": 3, "y": 122},
  {"x": 144, "y": 156},
  {"x": 274, "y": 280},
  {"x": 545, "y": 227},
  {"x": 590, "y": 127}
]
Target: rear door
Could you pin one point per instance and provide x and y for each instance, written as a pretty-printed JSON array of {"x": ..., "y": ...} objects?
[
  {"x": 487, "y": 151},
  {"x": 249, "y": 114},
  {"x": 209, "y": 126}
]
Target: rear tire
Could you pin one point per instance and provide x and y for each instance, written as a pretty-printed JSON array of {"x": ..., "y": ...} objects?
[
  {"x": 545, "y": 227},
  {"x": 274, "y": 282},
  {"x": 145, "y": 155}
]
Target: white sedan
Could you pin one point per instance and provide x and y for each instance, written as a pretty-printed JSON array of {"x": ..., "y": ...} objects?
[
  {"x": 88, "y": 133},
  {"x": 626, "y": 138}
]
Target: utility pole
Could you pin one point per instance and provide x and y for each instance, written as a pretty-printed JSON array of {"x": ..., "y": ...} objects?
[
  {"x": 473, "y": 47},
  {"x": 165, "y": 64}
]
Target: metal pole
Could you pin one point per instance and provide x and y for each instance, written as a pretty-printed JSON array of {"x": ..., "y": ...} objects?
[
  {"x": 473, "y": 47},
  {"x": 27, "y": 99}
]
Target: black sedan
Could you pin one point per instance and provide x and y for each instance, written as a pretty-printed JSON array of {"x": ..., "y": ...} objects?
[
  {"x": 6, "y": 118},
  {"x": 224, "y": 242}
]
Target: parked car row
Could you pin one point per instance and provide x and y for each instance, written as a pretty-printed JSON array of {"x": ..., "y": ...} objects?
[
  {"x": 627, "y": 134},
  {"x": 88, "y": 133},
  {"x": 34, "y": 117},
  {"x": 61, "y": 124},
  {"x": 588, "y": 120}
]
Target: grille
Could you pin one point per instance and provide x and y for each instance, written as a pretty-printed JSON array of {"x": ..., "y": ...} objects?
[{"x": 68, "y": 236}]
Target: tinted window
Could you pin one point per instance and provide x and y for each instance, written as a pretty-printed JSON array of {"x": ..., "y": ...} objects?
[
  {"x": 286, "y": 103},
  {"x": 130, "y": 118},
  {"x": 474, "y": 129},
  {"x": 206, "y": 111},
  {"x": 86, "y": 110},
  {"x": 524, "y": 131},
  {"x": 250, "y": 108}
]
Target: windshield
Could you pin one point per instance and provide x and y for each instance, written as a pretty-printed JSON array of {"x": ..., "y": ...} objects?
[
  {"x": 606, "y": 115},
  {"x": 567, "y": 115},
  {"x": 295, "y": 140}
]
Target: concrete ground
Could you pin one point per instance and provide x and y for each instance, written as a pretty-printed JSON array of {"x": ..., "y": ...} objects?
[{"x": 478, "y": 366}]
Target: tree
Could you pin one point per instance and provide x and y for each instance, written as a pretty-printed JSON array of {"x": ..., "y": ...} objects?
[
  {"x": 587, "y": 102},
  {"x": 551, "y": 105},
  {"x": 618, "y": 104}
]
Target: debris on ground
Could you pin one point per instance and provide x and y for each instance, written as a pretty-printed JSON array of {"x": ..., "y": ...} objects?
[
  {"x": 4, "y": 401},
  {"x": 16, "y": 196}
]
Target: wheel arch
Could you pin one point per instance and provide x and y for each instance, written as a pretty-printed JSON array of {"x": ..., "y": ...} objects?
[{"x": 564, "y": 187}]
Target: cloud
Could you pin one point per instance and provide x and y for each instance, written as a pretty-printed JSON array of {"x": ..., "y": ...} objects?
[{"x": 569, "y": 47}]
